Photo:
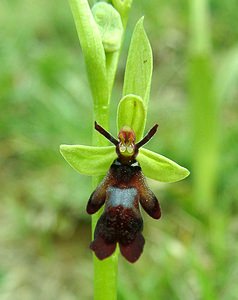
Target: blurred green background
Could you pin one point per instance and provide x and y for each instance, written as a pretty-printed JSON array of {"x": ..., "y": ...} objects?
[{"x": 191, "y": 253}]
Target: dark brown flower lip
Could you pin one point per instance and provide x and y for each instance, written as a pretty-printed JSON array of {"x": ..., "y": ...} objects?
[{"x": 119, "y": 225}]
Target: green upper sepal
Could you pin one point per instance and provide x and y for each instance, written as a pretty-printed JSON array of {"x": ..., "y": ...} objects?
[
  {"x": 131, "y": 112},
  {"x": 159, "y": 167},
  {"x": 89, "y": 160}
]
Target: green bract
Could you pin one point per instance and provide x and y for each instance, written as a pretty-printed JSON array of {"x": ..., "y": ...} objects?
[
  {"x": 139, "y": 65},
  {"x": 109, "y": 24},
  {"x": 93, "y": 50}
]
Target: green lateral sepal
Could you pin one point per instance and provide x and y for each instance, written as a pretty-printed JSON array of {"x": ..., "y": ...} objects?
[
  {"x": 88, "y": 160},
  {"x": 159, "y": 167}
]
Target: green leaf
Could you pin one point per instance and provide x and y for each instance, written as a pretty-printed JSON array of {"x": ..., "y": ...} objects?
[
  {"x": 160, "y": 168},
  {"x": 93, "y": 51},
  {"x": 131, "y": 112},
  {"x": 109, "y": 24},
  {"x": 139, "y": 65},
  {"x": 89, "y": 160}
]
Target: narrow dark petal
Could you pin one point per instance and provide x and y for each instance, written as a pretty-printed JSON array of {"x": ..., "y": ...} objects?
[
  {"x": 148, "y": 199},
  {"x": 151, "y": 205},
  {"x": 94, "y": 204},
  {"x": 105, "y": 133},
  {"x": 147, "y": 137},
  {"x": 133, "y": 250},
  {"x": 97, "y": 198},
  {"x": 102, "y": 249}
]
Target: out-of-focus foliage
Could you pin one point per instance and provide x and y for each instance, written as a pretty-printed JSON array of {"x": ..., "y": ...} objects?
[{"x": 45, "y": 101}]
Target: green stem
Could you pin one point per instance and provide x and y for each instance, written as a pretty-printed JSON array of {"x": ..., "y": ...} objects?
[
  {"x": 204, "y": 108},
  {"x": 204, "y": 120},
  {"x": 105, "y": 272},
  {"x": 200, "y": 41},
  {"x": 105, "y": 278}
]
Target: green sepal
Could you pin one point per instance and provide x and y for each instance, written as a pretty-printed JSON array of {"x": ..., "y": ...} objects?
[
  {"x": 139, "y": 65},
  {"x": 88, "y": 160},
  {"x": 109, "y": 24},
  {"x": 158, "y": 167},
  {"x": 131, "y": 112}
]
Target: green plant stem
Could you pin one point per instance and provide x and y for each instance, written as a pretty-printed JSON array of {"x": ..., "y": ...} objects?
[
  {"x": 200, "y": 41},
  {"x": 105, "y": 272},
  {"x": 204, "y": 133},
  {"x": 204, "y": 110},
  {"x": 204, "y": 121}
]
